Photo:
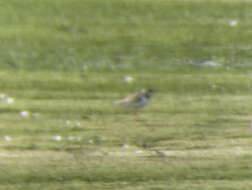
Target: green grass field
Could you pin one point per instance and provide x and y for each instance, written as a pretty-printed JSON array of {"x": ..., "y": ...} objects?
[{"x": 63, "y": 62}]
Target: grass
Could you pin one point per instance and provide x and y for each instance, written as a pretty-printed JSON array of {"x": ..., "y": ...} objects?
[
  {"x": 73, "y": 35},
  {"x": 65, "y": 61},
  {"x": 204, "y": 131}
]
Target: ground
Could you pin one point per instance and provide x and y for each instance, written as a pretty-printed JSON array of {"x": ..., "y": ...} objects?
[{"x": 63, "y": 63}]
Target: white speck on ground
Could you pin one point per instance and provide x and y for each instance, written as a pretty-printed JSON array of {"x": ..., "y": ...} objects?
[
  {"x": 9, "y": 100},
  {"x": 208, "y": 63},
  {"x": 24, "y": 114},
  {"x": 7, "y": 138},
  {"x": 67, "y": 122},
  {"x": 77, "y": 124},
  {"x": 124, "y": 146},
  {"x": 2, "y": 96},
  {"x": 232, "y": 22},
  {"x": 56, "y": 138},
  {"x": 139, "y": 151},
  {"x": 128, "y": 79},
  {"x": 90, "y": 141}
]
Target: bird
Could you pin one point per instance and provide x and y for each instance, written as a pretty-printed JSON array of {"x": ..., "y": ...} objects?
[
  {"x": 160, "y": 153},
  {"x": 137, "y": 100}
]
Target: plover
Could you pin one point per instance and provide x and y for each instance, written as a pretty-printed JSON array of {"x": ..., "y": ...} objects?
[{"x": 137, "y": 100}]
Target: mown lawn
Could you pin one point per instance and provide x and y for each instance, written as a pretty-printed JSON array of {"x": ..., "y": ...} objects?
[{"x": 63, "y": 62}]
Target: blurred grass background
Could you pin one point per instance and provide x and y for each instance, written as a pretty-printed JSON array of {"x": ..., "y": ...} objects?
[
  {"x": 74, "y": 35},
  {"x": 64, "y": 62}
]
